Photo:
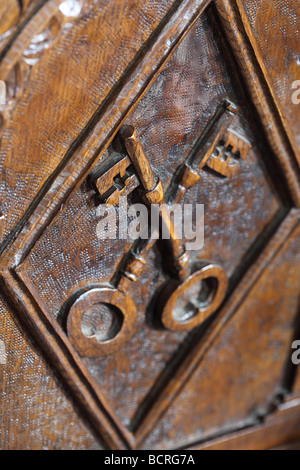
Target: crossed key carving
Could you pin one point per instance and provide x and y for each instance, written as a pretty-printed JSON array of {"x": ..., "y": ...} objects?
[
  {"x": 219, "y": 148},
  {"x": 117, "y": 179}
]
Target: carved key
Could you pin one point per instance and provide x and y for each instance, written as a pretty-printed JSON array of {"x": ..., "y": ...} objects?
[
  {"x": 225, "y": 160},
  {"x": 134, "y": 261},
  {"x": 189, "y": 297},
  {"x": 189, "y": 172},
  {"x": 152, "y": 193},
  {"x": 117, "y": 178},
  {"x": 187, "y": 175}
]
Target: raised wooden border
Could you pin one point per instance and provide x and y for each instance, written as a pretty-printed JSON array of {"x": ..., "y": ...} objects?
[
  {"x": 260, "y": 93},
  {"x": 67, "y": 177},
  {"x": 280, "y": 428},
  {"x": 65, "y": 359},
  {"x": 96, "y": 137},
  {"x": 194, "y": 358},
  {"x": 73, "y": 171}
]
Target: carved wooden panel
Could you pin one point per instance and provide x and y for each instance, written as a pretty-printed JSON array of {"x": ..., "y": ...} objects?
[
  {"x": 165, "y": 102},
  {"x": 38, "y": 76},
  {"x": 14, "y": 14},
  {"x": 73, "y": 231},
  {"x": 260, "y": 18},
  {"x": 35, "y": 411},
  {"x": 247, "y": 356}
]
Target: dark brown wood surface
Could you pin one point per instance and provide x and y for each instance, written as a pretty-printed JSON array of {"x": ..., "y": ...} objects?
[
  {"x": 239, "y": 357},
  {"x": 14, "y": 14},
  {"x": 281, "y": 430},
  {"x": 75, "y": 227},
  {"x": 205, "y": 105},
  {"x": 66, "y": 95},
  {"x": 36, "y": 413},
  {"x": 280, "y": 68},
  {"x": 297, "y": 382}
]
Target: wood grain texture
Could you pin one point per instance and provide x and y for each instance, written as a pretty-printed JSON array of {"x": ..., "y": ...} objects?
[
  {"x": 109, "y": 115},
  {"x": 283, "y": 427},
  {"x": 293, "y": 445},
  {"x": 296, "y": 387},
  {"x": 72, "y": 73},
  {"x": 68, "y": 365},
  {"x": 35, "y": 411},
  {"x": 76, "y": 76},
  {"x": 261, "y": 19},
  {"x": 239, "y": 359},
  {"x": 170, "y": 120},
  {"x": 261, "y": 96},
  {"x": 10, "y": 12}
]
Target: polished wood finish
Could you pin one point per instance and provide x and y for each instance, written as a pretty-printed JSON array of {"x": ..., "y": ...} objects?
[
  {"x": 297, "y": 382},
  {"x": 14, "y": 14},
  {"x": 282, "y": 428},
  {"x": 36, "y": 411},
  {"x": 257, "y": 345},
  {"x": 279, "y": 70},
  {"x": 147, "y": 344},
  {"x": 260, "y": 94}
]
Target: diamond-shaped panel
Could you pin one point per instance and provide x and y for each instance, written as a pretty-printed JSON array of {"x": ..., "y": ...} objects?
[
  {"x": 240, "y": 207},
  {"x": 169, "y": 119}
]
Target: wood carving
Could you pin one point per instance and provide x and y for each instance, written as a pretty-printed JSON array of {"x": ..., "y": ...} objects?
[
  {"x": 10, "y": 11},
  {"x": 115, "y": 179},
  {"x": 101, "y": 321},
  {"x": 105, "y": 74},
  {"x": 225, "y": 160},
  {"x": 230, "y": 19},
  {"x": 210, "y": 279},
  {"x": 27, "y": 51},
  {"x": 139, "y": 332},
  {"x": 13, "y": 13},
  {"x": 207, "y": 285}
]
